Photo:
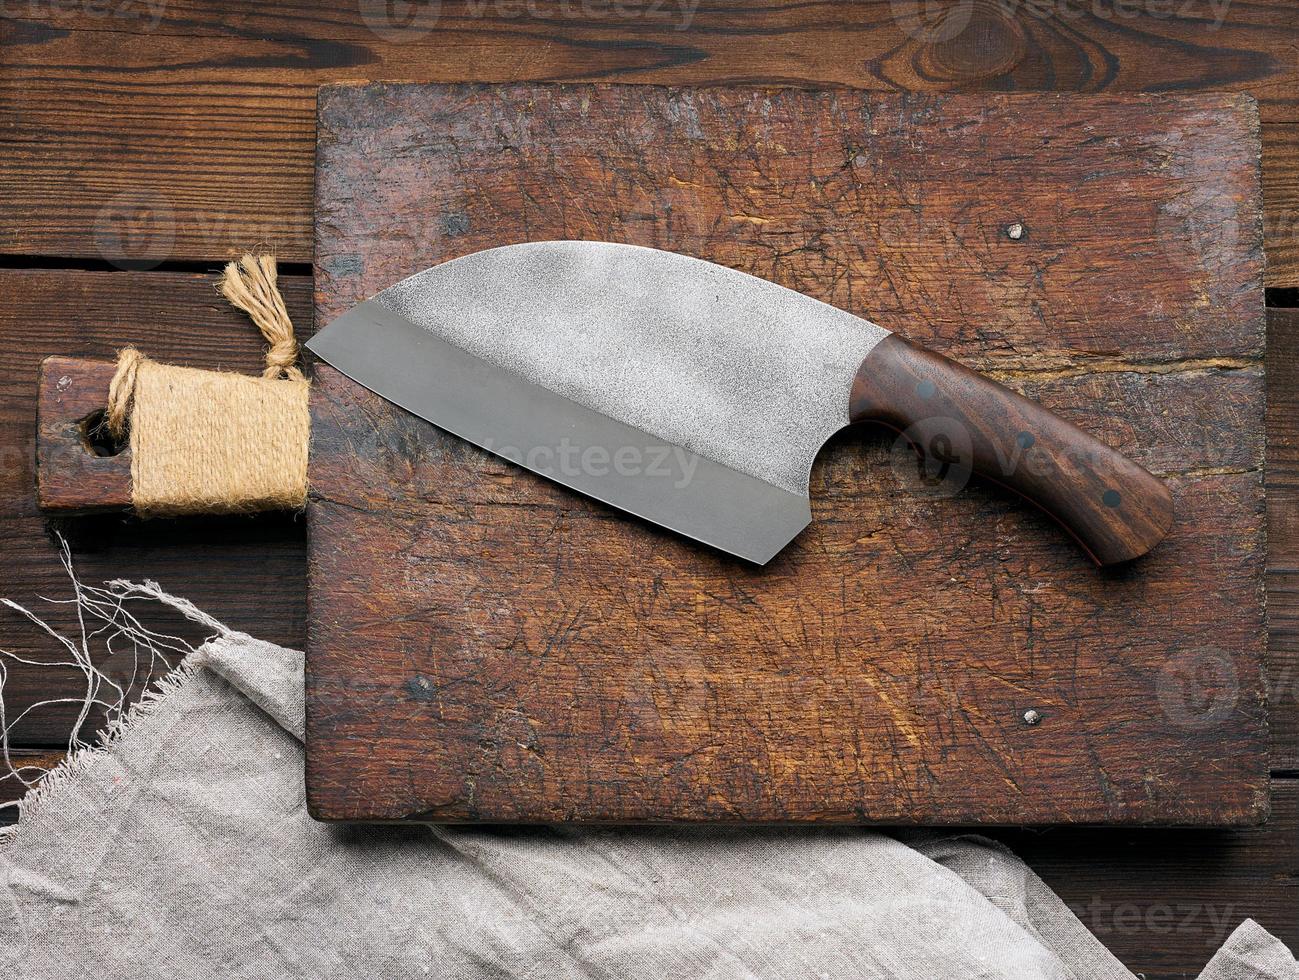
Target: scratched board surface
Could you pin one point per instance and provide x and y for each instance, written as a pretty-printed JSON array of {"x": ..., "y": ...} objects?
[{"x": 486, "y": 646}]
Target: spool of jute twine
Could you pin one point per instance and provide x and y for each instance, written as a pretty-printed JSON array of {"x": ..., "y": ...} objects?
[{"x": 212, "y": 441}]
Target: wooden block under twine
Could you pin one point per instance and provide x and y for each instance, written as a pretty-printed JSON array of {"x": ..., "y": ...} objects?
[{"x": 214, "y": 441}]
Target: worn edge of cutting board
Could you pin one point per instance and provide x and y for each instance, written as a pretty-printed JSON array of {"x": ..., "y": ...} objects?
[{"x": 374, "y": 748}]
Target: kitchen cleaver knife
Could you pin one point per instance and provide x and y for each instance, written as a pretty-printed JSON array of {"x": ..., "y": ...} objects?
[{"x": 697, "y": 397}]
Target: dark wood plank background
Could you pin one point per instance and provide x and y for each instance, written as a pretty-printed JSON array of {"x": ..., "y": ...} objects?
[{"x": 170, "y": 136}]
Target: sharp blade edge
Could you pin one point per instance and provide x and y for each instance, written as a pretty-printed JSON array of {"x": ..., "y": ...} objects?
[{"x": 557, "y": 438}]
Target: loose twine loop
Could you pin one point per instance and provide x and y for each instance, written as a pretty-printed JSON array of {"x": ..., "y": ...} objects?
[{"x": 213, "y": 441}]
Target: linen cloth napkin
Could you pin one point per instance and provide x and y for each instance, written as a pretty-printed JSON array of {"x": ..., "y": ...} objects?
[{"x": 182, "y": 849}]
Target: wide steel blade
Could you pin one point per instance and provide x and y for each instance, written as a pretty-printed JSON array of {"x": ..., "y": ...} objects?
[
  {"x": 560, "y": 439},
  {"x": 688, "y": 394}
]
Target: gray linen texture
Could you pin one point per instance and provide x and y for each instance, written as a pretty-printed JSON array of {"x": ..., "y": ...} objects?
[{"x": 183, "y": 849}]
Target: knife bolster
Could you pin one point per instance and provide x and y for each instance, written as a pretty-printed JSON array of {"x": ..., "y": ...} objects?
[{"x": 971, "y": 424}]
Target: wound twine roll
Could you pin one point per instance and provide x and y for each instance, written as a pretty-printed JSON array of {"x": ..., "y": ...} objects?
[{"x": 211, "y": 441}]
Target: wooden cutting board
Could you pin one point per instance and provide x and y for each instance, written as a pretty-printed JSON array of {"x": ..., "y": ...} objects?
[{"x": 487, "y": 646}]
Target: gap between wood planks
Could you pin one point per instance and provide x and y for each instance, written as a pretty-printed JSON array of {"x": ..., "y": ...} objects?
[
  {"x": 62, "y": 263},
  {"x": 1276, "y": 297}
]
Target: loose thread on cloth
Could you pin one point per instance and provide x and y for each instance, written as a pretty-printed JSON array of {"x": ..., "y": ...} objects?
[
  {"x": 136, "y": 655},
  {"x": 213, "y": 441}
]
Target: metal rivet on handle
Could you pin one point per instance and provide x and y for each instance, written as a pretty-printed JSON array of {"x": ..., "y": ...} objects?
[{"x": 1032, "y": 716}]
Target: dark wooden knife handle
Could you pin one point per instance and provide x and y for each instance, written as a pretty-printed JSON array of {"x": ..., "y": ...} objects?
[{"x": 1115, "y": 508}]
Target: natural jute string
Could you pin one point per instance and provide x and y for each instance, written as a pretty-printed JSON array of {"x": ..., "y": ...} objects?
[{"x": 210, "y": 441}]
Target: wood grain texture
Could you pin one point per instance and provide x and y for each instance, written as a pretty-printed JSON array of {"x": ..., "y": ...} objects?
[
  {"x": 27, "y": 769},
  {"x": 962, "y": 423},
  {"x": 1283, "y": 536},
  {"x": 185, "y": 130},
  {"x": 524, "y": 654},
  {"x": 1281, "y": 202},
  {"x": 73, "y": 475},
  {"x": 248, "y": 572}
]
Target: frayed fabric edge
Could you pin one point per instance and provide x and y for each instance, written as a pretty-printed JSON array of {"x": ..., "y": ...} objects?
[
  {"x": 82, "y": 759},
  {"x": 82, "y": 756}
]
